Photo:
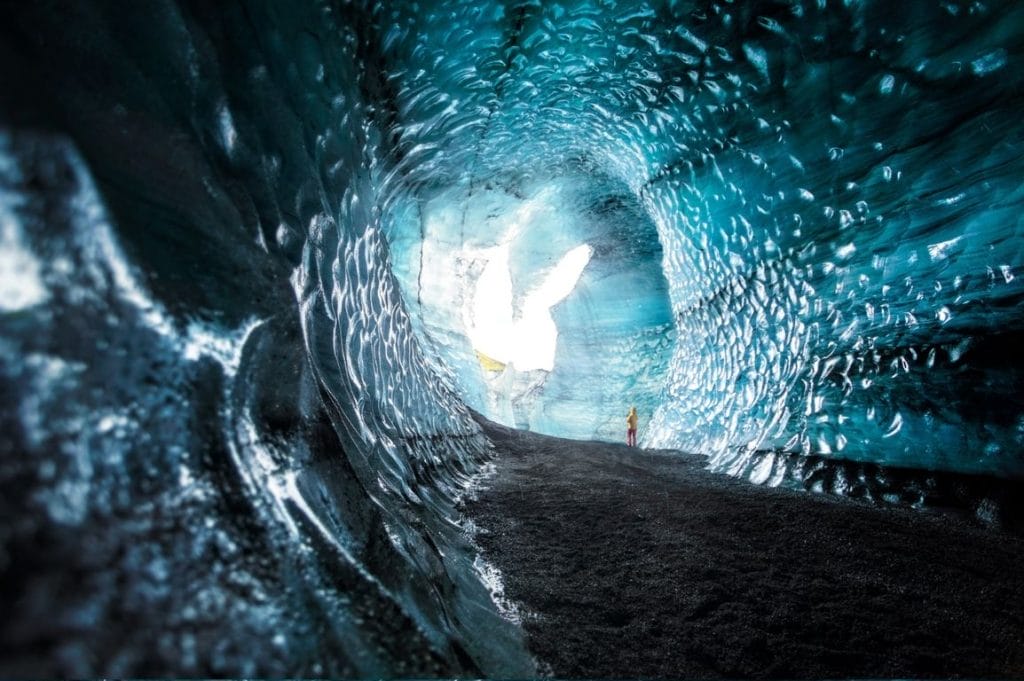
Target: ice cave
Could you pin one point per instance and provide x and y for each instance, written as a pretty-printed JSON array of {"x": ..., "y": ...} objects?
[{"x": 266, "y": 266}]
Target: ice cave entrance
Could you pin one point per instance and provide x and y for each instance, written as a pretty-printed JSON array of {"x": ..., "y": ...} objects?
[
  {"x": 543, "y": 302},
  {"x": 526, "y": 340}
]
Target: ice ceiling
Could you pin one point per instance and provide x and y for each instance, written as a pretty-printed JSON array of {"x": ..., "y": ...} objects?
[
  {"x": 834, "y": 189},
  {"x": 257, "y": 258}
]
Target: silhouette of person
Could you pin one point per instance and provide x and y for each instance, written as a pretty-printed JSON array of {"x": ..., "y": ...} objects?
[{"x": 631, "y": 420}]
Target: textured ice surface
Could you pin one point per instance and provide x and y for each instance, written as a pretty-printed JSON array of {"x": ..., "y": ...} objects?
[
  {"x": 222, "y": 451},
  {"x": 835, "y": 187},
  {"x": 238, "y": 243}
]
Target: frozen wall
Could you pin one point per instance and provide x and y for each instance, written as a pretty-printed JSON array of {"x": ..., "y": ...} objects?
[
  {"x": 222, "y": 452},
  {"x": 834, "y": 186},
  {"x": 237, "y": 243}
]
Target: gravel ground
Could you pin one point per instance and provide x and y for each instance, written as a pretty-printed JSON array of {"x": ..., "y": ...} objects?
[{"x": 633, "y": 563}]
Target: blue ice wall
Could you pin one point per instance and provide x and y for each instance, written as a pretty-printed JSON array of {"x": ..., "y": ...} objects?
[
  {"x": 222, "y": 452},
  {"x": 234, "y": 430},
  {"x": 855, "y": 230},
  {"x": 834, "y": 185}
]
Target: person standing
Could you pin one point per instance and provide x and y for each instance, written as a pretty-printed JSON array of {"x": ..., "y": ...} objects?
[{"x": 631, "y": 421}]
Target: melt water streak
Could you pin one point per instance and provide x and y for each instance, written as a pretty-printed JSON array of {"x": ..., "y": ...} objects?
[{"x": 229, "y": 416}]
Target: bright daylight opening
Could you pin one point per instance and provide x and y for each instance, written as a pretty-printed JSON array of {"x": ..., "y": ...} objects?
[{"x": 528, "y": 341}]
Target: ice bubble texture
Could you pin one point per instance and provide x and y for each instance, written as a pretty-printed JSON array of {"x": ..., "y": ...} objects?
[
  {"x": 834, "y": 187},
  {"x": 223, "y": 451},
  {"x": 236, "y": 241}
]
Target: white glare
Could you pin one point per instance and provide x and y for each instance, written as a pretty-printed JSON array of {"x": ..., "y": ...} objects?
[{"x": 528, "y": 342}]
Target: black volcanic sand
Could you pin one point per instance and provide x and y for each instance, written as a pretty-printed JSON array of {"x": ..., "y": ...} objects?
[{"x": 632, "y": 563}]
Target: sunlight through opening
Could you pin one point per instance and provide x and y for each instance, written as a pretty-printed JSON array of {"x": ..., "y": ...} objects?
[{"x": 528, "y": 341}]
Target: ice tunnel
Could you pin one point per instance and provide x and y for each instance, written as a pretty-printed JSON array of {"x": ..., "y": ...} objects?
[
  {"x": 544, "y": 302},
  {"x": 260, "y": 260}
]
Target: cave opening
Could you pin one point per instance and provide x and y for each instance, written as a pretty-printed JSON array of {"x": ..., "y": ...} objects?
[{"x": 543, "y": 299}]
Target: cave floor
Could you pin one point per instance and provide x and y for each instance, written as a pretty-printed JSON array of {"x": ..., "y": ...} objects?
[{"x": 631, "y": 563}]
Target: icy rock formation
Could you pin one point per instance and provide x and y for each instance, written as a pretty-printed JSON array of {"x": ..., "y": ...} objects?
[{"x": 241, "y": 253}]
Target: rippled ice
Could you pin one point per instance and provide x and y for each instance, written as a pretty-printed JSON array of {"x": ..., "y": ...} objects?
[
  {"x": 835, "y": 188},
  {"x": 234, "y": 422}
]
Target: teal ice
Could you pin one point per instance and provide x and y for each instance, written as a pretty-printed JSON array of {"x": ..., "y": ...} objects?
[{"x": 259, "y": 260}]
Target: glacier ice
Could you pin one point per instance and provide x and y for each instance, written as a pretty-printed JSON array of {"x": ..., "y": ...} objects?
[
  {"x": 833, "y": 188},
  {"x": 241, "y": 253},
  {"x": 525, "y": 346}
]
